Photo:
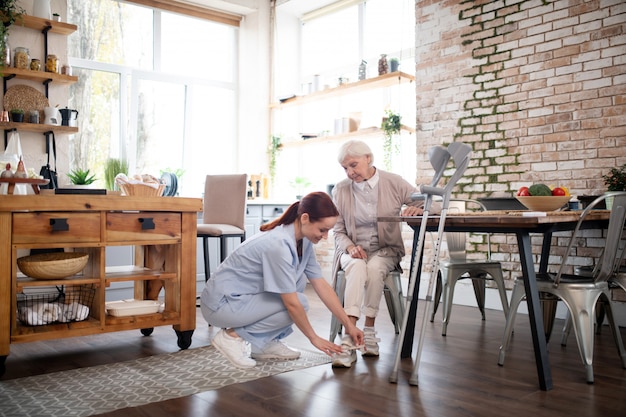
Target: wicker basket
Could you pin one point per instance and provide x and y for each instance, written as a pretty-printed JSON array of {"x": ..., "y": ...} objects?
[
  {"x": 54, "y": 265},
  {"x": 142, "y": 190}
]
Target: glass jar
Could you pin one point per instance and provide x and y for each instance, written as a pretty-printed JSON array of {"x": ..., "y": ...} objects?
[
  {"x": 6, "y": 51},
  {"x": 21, "y": 58},
  {"x": 35, "y": 64},
  {"x": 52, "y": 64}
]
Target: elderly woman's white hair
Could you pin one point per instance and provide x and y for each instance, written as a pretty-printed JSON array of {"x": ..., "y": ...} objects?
[{"x": 355, "y": 149}]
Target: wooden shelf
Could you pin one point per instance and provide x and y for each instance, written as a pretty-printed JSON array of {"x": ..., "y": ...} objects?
[
  {"x": 39, "y": 76},
  {"x": 386, "y": 80},
  {"x": 135, "y": 273},
  {"x": 41, "y": 24},
  {"x": 37, "y": 128},
  {"x": 345, "y": 136}
]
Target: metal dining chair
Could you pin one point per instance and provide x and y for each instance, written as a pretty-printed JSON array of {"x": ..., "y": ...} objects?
[
  {"x": 223, "y": 214},
  {"x": 458, "y": 266},
  {"x": 581, "y": 293}
]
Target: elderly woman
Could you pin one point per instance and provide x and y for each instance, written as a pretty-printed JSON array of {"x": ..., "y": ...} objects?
[{"x": 367, "y": 250}]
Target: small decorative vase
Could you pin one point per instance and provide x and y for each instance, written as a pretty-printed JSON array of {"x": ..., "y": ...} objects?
[
  {"x": 383, "y": 66},
  {"x": 609, "y": 202},
  {"x": 394, "y": 64},
  {"x": 41, "y": 8}
]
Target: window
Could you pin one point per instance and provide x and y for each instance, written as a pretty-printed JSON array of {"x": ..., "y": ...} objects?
[
  {"x": 334, "y": 44},
  {"x": 153, "y": 86}
]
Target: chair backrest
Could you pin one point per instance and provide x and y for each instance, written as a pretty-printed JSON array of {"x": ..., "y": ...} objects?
[
  {"x": 225, "y": 199},
  {"x": 608, "y": 264},
  {"x": 456, "y": 241}
]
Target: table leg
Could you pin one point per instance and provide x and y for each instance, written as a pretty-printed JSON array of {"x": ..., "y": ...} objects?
[{"x": 534, "y": 312}]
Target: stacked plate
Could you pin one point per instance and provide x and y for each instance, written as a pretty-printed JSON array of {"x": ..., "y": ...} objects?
[{"x": 171, "y": 184}]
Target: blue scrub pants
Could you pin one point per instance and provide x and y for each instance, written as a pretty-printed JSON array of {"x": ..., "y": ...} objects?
[{"x": 257, "y": 318}]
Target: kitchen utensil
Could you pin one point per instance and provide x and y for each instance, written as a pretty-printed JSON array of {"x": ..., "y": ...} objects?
[{"x": 68, "y": 117}]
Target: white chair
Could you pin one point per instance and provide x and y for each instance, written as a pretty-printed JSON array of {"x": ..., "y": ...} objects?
[
  {"x": 458, "y": 266},
  {"x": 393, "y": 297},
  {"x": 581, "y": 293},
  {"x": 224, "y": 213}
]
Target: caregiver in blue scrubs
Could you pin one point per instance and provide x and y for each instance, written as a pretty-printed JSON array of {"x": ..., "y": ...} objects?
[{"x": 257, "y": 293}]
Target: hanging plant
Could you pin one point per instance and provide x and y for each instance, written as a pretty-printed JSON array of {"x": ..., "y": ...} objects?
[
  {"x": 392, "y": 123},
  {"x": 273, "y": 151},
  {"x": 10, "y": 11}
]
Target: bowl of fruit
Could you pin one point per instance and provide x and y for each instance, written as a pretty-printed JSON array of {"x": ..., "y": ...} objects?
[{"x": 540, "y": 197}]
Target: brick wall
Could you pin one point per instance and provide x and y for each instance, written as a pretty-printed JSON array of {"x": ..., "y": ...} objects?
[{"x": 537, "y": 88}]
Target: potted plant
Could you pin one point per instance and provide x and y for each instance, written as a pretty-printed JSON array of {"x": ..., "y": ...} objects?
[
  {"x": 391, "y": 126},
  {"x": 394, "y": 64},
  {"x": 615, "y": 180},
  {"x": 10, "y": 11},
  {"x": 81, "y": 177},
  {"x": 17, "y": 115},
  {"x": 299, "y": 184}
]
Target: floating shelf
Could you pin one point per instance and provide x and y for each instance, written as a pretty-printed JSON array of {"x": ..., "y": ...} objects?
[
  {"x": 40, "y": 76},
  {"x": 37, "y": 128},
  {"x": 345, "y": 136},
  {"x": 41, "y": 24},
  {"x": 386, "y": 80}
]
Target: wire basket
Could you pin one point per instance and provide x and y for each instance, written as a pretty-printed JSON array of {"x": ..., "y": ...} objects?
[
  {"x": 67, "y": 304},
  {"x": 142, "y": 190}
]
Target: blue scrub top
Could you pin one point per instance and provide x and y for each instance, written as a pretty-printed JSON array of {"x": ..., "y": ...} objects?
[{"x": 267, "y": 262}]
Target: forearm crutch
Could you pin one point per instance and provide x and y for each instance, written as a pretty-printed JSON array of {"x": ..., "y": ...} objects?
[
  {"x": 413, "y": 276},
  {"x": 439, "y": 158}
]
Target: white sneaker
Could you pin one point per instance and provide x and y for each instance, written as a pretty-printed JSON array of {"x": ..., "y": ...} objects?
[
  {"x": 346, "y": 358},
  {"x": 234, "y": 348},
  {"x": 371, "y": 342},
  {"x": 276, "y": 350}
]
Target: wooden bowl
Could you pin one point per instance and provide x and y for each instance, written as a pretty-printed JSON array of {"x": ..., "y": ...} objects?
[
  {"x": 53, "y": 265},
  {"x": 543, "y": 203}
]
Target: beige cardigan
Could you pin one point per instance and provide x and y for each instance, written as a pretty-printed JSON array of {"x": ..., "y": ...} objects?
[{"x": 393, "y": 193}]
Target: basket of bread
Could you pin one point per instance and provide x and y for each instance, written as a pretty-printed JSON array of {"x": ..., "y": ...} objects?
[{"x": 140, "y": 185}]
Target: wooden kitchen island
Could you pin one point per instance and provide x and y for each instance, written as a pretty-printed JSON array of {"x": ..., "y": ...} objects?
[{"x": 161, "y": 229}]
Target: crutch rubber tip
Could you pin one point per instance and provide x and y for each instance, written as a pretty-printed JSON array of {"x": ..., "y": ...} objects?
[
  {"x": 413, "y": 381},
  {"x": 393, "y": 378}
]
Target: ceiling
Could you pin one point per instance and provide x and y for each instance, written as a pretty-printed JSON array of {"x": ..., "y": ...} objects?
[{"x": 243, "y": 7}]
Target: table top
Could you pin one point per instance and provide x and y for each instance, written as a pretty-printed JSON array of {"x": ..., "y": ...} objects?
[{"x": 504, "y": 220}]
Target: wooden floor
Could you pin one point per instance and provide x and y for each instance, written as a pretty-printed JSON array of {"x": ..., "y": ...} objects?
[{"x": 459, "y": 375}]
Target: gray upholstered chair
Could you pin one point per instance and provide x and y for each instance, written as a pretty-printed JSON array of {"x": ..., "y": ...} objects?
[
  {"x": 581, "y": 293},
  {"x": 224, "y": 213},
  {"x": 458, "y": 266}
]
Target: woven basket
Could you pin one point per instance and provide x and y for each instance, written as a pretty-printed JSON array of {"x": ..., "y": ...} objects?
[
  {"x": 142, "y": 190},
  {"x": 54, "y": 265}
]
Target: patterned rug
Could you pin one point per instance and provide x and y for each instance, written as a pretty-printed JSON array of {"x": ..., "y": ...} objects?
[{"x": 100, "y": 389}]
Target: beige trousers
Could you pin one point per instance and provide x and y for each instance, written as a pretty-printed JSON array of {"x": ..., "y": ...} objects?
[{"x": 365, "y": 281}]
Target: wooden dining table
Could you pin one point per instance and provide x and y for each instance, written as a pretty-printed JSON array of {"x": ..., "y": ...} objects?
[{"x": 522, "y": 224}]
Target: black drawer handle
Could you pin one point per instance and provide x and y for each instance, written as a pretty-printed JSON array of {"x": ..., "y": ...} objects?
[
  {"x": 147, "y": 223},
  {"x": 59, "y": 225}
]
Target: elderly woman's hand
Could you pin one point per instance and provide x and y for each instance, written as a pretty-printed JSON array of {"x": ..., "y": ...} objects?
[{"x": 412, "y": 211}]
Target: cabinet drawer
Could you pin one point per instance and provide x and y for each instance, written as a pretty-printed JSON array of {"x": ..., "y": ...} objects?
[
  {"x": 143, "y": 226},
  {"x": 56, "y": 227}
]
